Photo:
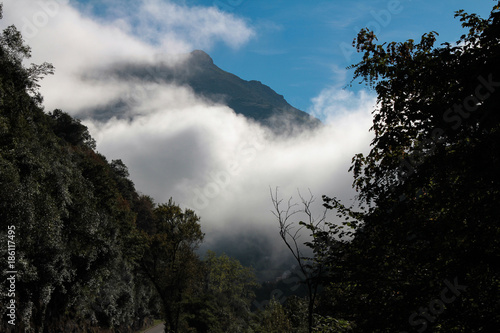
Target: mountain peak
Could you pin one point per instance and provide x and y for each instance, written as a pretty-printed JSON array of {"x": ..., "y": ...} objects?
[
  {"x": 200, "y": 56},
  {"x": 253, "y": 99}
]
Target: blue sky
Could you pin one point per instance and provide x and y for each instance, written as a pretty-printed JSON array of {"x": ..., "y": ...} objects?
[
  {"x": 310, "y": 40},
  {"x": 300, "y": 46}
]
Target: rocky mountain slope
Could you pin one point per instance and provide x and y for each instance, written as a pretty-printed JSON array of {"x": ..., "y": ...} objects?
[{"x": 252, "y": 99}]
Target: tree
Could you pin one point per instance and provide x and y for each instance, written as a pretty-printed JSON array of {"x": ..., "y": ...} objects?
[
  {"x": 71, "y": 130},
  {"x": 169, "y": 259},
  {"x": 311, "y": 268},
  {"x": 274, "y": 319},
  {"x": 231, "y": 287},
  {"x": 425, "y": 249}
]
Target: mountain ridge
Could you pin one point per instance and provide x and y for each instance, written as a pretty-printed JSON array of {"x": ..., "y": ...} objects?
[{"x": 252, "y": 99}]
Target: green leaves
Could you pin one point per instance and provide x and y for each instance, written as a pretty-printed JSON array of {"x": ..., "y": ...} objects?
[
  {"x": 231, "y": 286},
  {"x": 13, "y": 46},
  {"x": 169, "y": 260}
]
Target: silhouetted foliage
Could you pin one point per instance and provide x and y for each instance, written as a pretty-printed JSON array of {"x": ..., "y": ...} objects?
[{"x": 425, "y": 247}]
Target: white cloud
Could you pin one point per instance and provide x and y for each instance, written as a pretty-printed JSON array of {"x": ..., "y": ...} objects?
[
  {"x": 218, "y": 163},
  {"x": 77, "y": 44},
  {"x": 200, "y": 26},
  {"x": 334, "y": 102}
]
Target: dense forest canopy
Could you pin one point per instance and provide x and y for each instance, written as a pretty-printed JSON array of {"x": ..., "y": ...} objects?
[{"x": 87, "y": 253}]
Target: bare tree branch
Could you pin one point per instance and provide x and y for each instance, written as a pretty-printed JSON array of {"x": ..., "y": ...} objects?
[{"x": 290, "y": 233}]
